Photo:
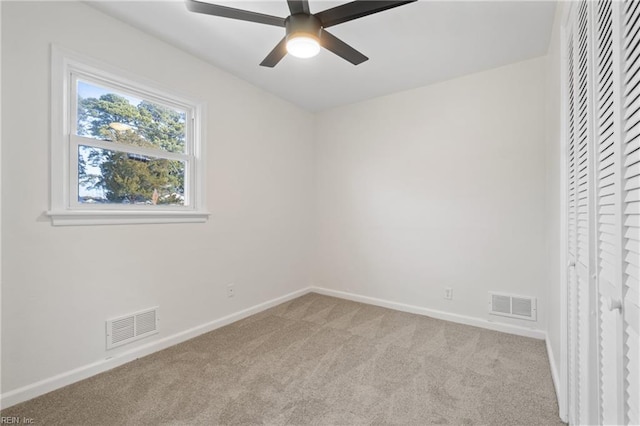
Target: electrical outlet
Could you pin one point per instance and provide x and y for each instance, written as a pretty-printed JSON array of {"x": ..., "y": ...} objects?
[
  {"x": 231, "y": 290},
  {"x": 448, "y": 293}
]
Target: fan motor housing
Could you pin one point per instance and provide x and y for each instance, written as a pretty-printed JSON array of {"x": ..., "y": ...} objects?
[{"x": 303, "y": 24}]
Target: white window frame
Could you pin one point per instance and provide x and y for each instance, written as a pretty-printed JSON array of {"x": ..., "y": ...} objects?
[{"x": 66, "y": 68}]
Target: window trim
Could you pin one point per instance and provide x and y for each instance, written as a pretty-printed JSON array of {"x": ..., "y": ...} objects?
[{"x": 66, "y": 68}]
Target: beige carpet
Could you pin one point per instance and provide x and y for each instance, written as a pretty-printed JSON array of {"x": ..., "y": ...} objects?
[{"x": 319, "y": 360}]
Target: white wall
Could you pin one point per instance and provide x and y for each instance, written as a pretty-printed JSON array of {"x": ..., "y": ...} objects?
[
  {"x": 438, "y": 186},
  {"x": 452, "y": 184},
  {"x": 59, "y": 284}
]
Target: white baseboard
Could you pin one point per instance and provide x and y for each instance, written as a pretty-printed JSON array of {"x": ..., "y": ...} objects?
[
  {"x": 554, "y": 370},
  {"x": 33, "y": 390},
  {"x": 447, "y": 316},
  {"x": 556, "y": 383}
]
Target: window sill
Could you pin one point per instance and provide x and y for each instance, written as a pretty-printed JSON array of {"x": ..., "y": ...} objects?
[{"x": 119, "y": 217}]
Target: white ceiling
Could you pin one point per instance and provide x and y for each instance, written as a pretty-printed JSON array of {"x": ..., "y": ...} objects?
[{"x": 410, "y": 46}]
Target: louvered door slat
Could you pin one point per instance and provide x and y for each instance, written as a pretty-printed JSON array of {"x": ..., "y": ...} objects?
[
  {"x": 633, "y": 182},
  {"x": 632, "y": 194},
  {"x": 607, "y": 190},
  {"x": 608, "y": 234},
  {"x": 607, "y": 160},
  {"x": 608, "y": 249},
  {"x": 632, "y": 168},
  {"x": 606, "y": 134},
  {"x": 632, "y": 284},
  {"x": 608, "y": 228},
  {"x": 634, "y": 132},
  {"x": 606, "y": 66},
  {"x": 607, "y": 276},
  {"x": 632, "y": 145},
  {"x": 631, "y": 34},
  {"x": 631, "y": 96},
  {"x": 631, "y": 209},
  {"x": 631, "y": 102},
  {"x": 632, "y": 68},
  {"x": 631, "y": 42},
  {"x": 607, "y": 213},
  {"x": 607, "y": 172},
  {"x": 632, "y": 235},
  {"x": 631, "y": 246},
  {"x": 632, "y": 271}
]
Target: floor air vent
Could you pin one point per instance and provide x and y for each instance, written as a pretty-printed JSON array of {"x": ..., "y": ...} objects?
[
  {"x": 507, "y": 305},
  {"x": 131, "y": 327}
]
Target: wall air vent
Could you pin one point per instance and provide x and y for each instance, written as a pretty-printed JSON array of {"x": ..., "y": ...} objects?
[
  {"x": 132, "y": 327},
  {"x": 507, "y": 305}
]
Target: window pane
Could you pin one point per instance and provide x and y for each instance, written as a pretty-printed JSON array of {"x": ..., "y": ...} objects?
[
  {"x": 115, "y": 177},
  {"x": 105, "y": 114}
]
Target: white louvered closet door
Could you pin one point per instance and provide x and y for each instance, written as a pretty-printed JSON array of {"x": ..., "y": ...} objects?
[
  {"x": 608, "y": 159},
  {"x": 603, "y": 220},
  {"x": 572, "y": 233},
  {"x": 580, "y": 219},
  {"x": 631, "y": 208}
]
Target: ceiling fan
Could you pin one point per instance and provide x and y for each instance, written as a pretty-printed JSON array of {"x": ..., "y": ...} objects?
[{"x": 305, "y": 32}]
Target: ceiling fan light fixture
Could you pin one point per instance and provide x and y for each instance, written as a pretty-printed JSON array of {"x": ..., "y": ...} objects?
[
  {"x": 303, "y": 46},
  {"x": 305, "y": 31}
]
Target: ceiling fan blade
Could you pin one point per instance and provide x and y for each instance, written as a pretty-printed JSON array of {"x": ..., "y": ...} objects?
[
  {"x": 230, "y": 12},
  {"x": 299, "y": 6},
  {"x": 340, "y": 48},
  {"x": 276, "y": 54},
  {"x": 354, "y": 10}
]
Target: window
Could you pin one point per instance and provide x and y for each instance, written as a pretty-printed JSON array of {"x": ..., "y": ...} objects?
[{"x": 123, "y": 151}]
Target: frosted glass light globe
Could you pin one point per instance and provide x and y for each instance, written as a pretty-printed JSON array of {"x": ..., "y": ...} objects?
[{"x": 303, "y": 47}]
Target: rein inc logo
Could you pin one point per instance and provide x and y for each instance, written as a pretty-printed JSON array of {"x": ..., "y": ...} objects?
[{"x": 15, "y": 420}]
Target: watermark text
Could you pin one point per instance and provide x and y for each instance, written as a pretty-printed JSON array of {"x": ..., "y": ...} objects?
[{"x": 16, "y": 420}]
